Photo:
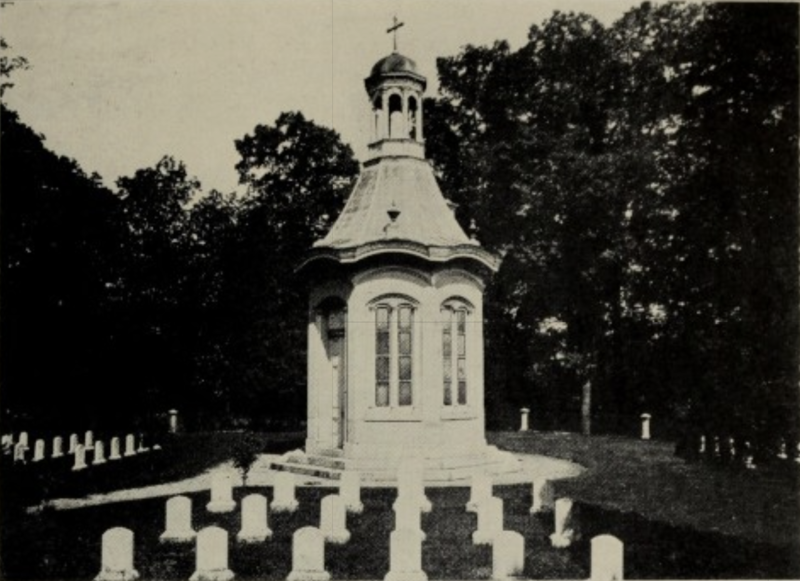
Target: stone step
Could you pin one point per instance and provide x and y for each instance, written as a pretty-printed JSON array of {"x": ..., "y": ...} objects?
[{"x": 307, "y": 469}]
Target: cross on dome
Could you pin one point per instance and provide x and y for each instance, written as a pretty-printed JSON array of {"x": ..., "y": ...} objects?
[{"x": 393, "y": 29}]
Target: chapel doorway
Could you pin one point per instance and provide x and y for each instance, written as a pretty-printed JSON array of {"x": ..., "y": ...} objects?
[{"x": 337, "y": 383}]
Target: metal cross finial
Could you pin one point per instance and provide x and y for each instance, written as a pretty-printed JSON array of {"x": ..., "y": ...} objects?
[{"x": 394, "y": 29}]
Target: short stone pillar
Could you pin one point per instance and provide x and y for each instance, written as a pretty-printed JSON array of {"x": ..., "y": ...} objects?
[
  {"x": 308, "y": 556},
  {"x": 564, "y": 524},
  {"x": 350, "y": 491},
  {"x": 38, "y": 450},
  {"x": 490, "y": 521},
  {"x": 702, "y": 448},
  {"x": 58, "y": 447},
  {"x": 508, "y": 555},
  {"x": 408, "y": 516},
  {"x": 212, "y": 556},
  {"x": 178, "y": 527},
  {"x": 173, "y": 421},
  {"x": 115, "y": 450},
  {"x": 607, "y": 558},
  {"x": 333, "y": 520},
  {"x": 117, "y": 556},
  {"x": 88, "y": 440},
  {"x": 255, "y": 516},
  {"x": 410, "y": 483},
  {"x": 405, "y": 557},
  {"x": 221, "y": 493},
  {"x": 130, "y": 445},
  {"x": 7, "y": 442},
  {"x": 541, "y": 495},
  {"x": 73, "y": 443},
  {"x": 645, "y": 426},
  {"x": 283, "y": 499},
  {"x": 480, "y": 490},
  {"x": 19, "y": 452},
  {"x": 99, "y": 453},
  {"x": 80, "y": 458},
  {"x": 23, "y": 439},
  {"x": 523, "y": 425}
]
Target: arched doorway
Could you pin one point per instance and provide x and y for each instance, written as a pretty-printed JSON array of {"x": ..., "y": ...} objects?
[{"x": 334, "y": 316}]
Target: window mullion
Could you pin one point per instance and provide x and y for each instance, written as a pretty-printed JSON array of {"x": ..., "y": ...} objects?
[{"x": 394, "y": 358}]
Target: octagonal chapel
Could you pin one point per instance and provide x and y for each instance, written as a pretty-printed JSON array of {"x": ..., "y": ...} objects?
[{"x": 395, "y": 328}]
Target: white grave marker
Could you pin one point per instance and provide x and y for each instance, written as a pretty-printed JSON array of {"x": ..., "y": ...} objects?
[
  {"x": 508, "y": 555},
  {"x": 19, "y": 452},
  {"x": 114, "y": 455},
  {"x": 523, "y": 427},
  {"x": 23, "y": 439},
  {"x": 88, "y": 440},
  {"x": 607, "y": 558},
  {"x": 480, "y": 490},
  {"x": 350, "y": 491},
  {"x": 99, "y": 453},
  {"x": 405, "y": 557},
  {"x": 645, "y": 426},
  {"x": 142, "y": 448},
  {"x": 130, "y": 445},
  {"x": 333, "y": 520},
  {"x": 179, "y": 520},
  {"x": 212, "y": 556},
  {"x": 255, "y": 516},
  {"x": 410, "y": 483},
  {"x": 564, "y": 525},
  {"x": 490, "y": 521},
  {"x": 117, "y": 556},
  {"x": 58, "y": 447},
  {"x": 221, "y": 493},
  {"x": 284, "y": 500},
  {"x": 80, "y": 458},
  {"x": 542, "y": 495},
  {"x": 308, "y": 556},
  {"x": 73, "y": 443},
  {"x": 38, "y": 450}
]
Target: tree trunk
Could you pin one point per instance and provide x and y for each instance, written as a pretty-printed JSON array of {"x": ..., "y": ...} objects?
[{"x": 586, "y": 409}]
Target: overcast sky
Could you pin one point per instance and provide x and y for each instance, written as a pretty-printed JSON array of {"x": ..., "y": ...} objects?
[{"x": 116, "y": 84}]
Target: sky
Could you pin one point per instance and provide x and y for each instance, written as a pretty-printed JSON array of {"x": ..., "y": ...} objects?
[{"x": 117, "y": 84}]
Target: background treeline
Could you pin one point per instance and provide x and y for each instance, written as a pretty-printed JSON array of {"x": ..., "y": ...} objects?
[{"x": 640, "y": 181}]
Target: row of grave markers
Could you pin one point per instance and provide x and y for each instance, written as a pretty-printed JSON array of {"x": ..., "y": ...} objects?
[
  {"x": 76, "y": 448},
  {"x": 716, "y": 448}
]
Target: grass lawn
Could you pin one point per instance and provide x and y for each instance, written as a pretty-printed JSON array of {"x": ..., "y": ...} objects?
[{"x": 677, "y": 520}]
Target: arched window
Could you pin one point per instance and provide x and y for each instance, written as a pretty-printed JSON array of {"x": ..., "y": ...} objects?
[
  {"x": 395, "y": 116},
  {"x": 394, "y": 352},
  {"x": 454, "y": 352},
  {"x": 377, "y": 109},
  {"x": 412, "y": 117}
]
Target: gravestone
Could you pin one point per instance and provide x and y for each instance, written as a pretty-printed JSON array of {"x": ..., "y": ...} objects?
[
  {"x": 88, "y": 440},
  {"x": 23, "y": 439},
  {"x": 58, "y": 447},
  {"x": 480, "y": 490},
  {"x": 508, "y": 555},
  {"x": 142, "y": 448},
  {"x": 284, "y": 500},
  {"x": 221, "y": 493},
  {"x": 702, "y": 449},
  {"x": 405, "y": 557},
  {"x": 38, "y": 450},
  {"x": 645, "y": 426},
  {"x": 130, "y": 445},
  {"x": 564, "y": 524},
  {"x": 178, "y": 520},
  {"x": 117, "y": 556},
  {"x": 541, "y": 495},
  {"x": 255, "y": 516},
  {"x": 490, "y": 521},
  {"x": 173, "y": 421},
  {"x": 747, "y": 456},
  {"x": 731, "y": 449},
  {"x": 607, "y": 558},
  {"x": 333, "y": 520},
  {"x": 114, "y": 455},
  {"x": 99, "y": 453},
  {"x": 523, "y": 423},
  {"x": 410, "y": 483},
  {"x": 350, "y": 491},
  {"x": 19, "y": 452},
  {"x": 782, "y": 454},
  {"x": 308, "y": 556},
  {"x": 73, "y": 443},
  {"x": 80, "y": 458},
  {"x": 408, "y": 516},
  {"x": 212, "y": 556}
]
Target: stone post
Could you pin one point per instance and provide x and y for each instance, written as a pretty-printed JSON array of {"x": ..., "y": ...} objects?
[
  {"x": 173, "y": 421},
  {"x": 524, "y": 419},
  {"x": 645, "y": 426}
]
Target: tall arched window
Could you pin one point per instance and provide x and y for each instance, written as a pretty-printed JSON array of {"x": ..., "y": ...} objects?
[
  {"x": 454, "y": 352},
  {"x": 395, "y": 116},
  {"x": 412, "y": 118},
  {"x": 394, "y": 352}
]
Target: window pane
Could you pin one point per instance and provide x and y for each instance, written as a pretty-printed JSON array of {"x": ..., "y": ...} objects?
[
  {"x": 447, "y": 366},
  {"x": 382, "y": 370},
  {"x": 405, "y": 368},
  {"x": 405, "y": 393},
  {"x": 462, "y": 370},
  {"x": 382, "y": 343},
  {"x": 406, "y": 317},
  {"x": 461, "y": 319},
  {"x": 448, "y": 397},
  {"x": 462, "y": 345},
  {"x": 462, "y": 392},
  {"x": 382, "y": 315},
  {"x": 382, "y": 395},
  {"x": 447, "y": 341},
  {"x": 404, "y": 346}
]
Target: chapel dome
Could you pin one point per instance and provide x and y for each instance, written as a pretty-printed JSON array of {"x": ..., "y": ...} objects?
[{"x": 393, "y": 66}]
